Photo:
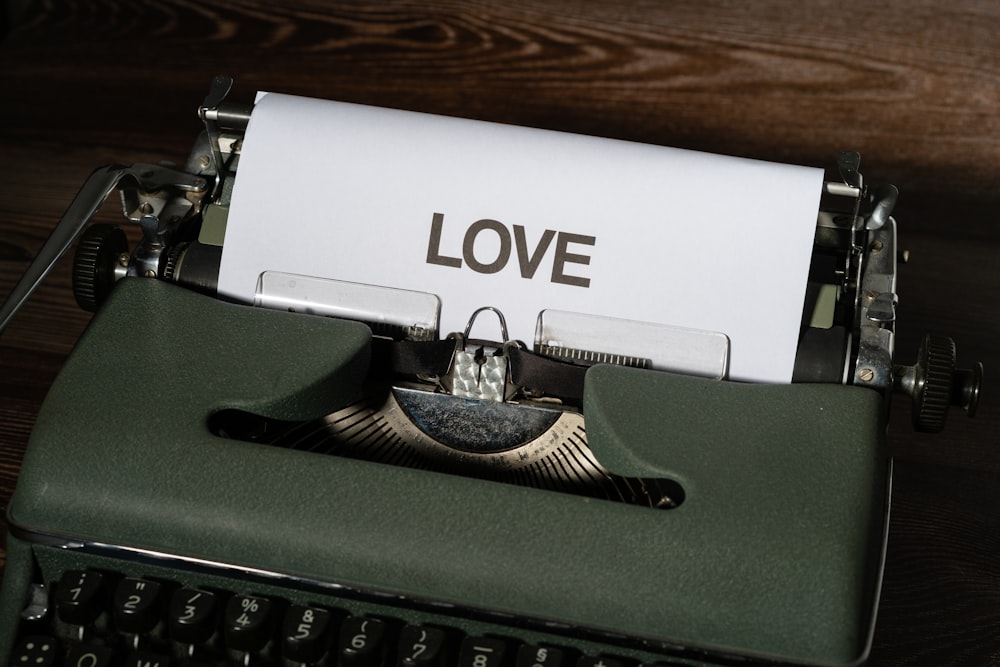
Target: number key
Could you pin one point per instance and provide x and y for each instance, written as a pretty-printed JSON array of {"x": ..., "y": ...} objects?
[
  {"x": 362, "y": 642},
  {"x": 191, "y": 617},
  {"x": 137, "y": 605},
  {"x": 80, "y": 596},
  {"x": 483, "y": 652},
  {"x": 307, "y": 633},
  {"x": 421, "y": 647},
  {"x": 248, "y": 622}
]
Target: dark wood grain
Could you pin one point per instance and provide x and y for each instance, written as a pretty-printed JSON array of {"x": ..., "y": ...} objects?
[{"x": 914, "y": 86}]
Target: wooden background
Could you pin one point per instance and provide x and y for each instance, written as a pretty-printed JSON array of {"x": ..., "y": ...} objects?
[{"x": 914, "y": 86}]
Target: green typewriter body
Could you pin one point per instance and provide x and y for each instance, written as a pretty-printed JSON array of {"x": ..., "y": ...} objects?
[{"x": 774, "y": 553}]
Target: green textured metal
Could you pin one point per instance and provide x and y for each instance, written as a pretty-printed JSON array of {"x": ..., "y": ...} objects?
[
  {"x": 773, "y": 553},
  {"x": 778, "y": 543},
  {"x": 17, "y": 577}
]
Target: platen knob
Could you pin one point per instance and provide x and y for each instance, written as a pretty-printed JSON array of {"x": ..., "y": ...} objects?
[
  {"x": 94, "y": 264},
  {"x": 934, "y": 384},
  {"x": 935, "y": 368}
]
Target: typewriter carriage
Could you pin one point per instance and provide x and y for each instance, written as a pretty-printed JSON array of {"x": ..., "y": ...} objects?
[{"x": 848, "y": 318}]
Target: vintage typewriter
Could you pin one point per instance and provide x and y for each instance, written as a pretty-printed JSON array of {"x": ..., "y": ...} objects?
[{"x": 212, "y": 483}]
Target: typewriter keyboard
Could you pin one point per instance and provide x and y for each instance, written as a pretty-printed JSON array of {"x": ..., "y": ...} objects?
[{"x": 160, "y": 617}]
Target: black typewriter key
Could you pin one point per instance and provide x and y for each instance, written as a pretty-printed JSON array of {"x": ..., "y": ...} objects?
[
  {"x": 422, "y": 647},
  {"x": 35, "y": 651},
  {"x": 146, "y": 659},
  {"x": 247, "y": 622},
  {"x": 191, "y": 617},
  {"x": 541, "y": 656},
  {"x": 483, "y": 652},
  {"x": 362, "y": 642},
  {"x": 136, "y": 605},
  {"x": 599, "y": 661},
  {"x": 89, "y": 655},
  {"x": 80, "y": 596},
  {"x": 306, "y": 634}
]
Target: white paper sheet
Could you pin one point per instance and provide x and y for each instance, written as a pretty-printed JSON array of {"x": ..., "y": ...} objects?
[{"x": 526, "y": 220}]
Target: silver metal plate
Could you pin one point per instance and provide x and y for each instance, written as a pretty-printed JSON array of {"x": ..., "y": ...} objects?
[{"x": 523, "y": 444}]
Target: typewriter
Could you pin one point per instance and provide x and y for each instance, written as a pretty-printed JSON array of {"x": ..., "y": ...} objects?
[{"x": 211, "y": 483}]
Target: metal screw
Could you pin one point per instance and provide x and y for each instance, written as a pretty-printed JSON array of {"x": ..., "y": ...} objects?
[
  {"x": 877, "y": 246},
  {"x": 204, "y": 161},
  {"x": 123, "y": 259},
  {"x": 150, "y": 273},
  {"x": 867, "y": 374},
  {"x": 146, "y": 208}
]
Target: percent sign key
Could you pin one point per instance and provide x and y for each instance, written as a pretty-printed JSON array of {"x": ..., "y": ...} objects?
[{"x": 248, "y": 622}]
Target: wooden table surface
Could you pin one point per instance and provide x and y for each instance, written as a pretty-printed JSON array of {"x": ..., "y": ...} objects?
[{"x": 914, "y": 86}]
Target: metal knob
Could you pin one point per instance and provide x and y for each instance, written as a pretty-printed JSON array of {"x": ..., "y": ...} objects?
[
  {"x": 934, "y": 384},
  {"x": 94, "y": 264}
]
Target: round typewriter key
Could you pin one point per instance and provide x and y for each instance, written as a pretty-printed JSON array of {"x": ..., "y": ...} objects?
[
  {"x": 483, "y": 652},
  {"x": 600, "y": 661},
  {"x": 36, "y": 651},
  {"x": 89, "y": 655},
  {"x": 306, "y": 634},
  {"x": 421, "y": 647},
  {"x": 146, "y": 659},
  {"x": 540, "y": 656},
  {"x": 191, "y": 617},
  {"x": 137, "y": 605},
  {"x": 80, "y": 596},
  {"x": 362, "y": 642},
  {"x": 247, "y": 622}
]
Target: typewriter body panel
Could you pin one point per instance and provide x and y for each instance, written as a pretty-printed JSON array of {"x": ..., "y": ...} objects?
[
  {"x": 772, "y": 551},
  {"x": 781, "y": 561}
]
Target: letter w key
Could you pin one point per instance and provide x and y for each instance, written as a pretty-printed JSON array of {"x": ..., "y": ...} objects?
[{"x": 144, "y": 659}]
